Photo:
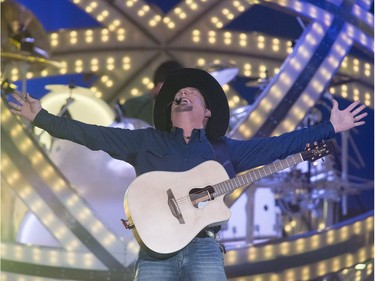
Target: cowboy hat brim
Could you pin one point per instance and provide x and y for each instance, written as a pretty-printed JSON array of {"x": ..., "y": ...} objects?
[{"x": 217, "y": 101}]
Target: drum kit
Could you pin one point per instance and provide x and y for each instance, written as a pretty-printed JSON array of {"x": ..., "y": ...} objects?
[{"x": 24, "y": 42}]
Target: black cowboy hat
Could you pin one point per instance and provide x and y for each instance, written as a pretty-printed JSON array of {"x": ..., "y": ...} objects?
[{"x": 212, "y": 91}]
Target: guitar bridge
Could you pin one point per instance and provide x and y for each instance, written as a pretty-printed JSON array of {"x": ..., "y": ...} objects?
[{"x": 173, "y": 206}]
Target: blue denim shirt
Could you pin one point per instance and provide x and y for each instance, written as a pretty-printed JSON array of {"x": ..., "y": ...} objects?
[{"x": 152, "y": 150}]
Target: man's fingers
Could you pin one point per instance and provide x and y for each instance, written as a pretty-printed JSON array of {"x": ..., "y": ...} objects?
[
  {"x": 18, "y": 98},
  {"x": 352, "y": 105},
  {"x": 17, "y": 112},
  {"x": 11, "y": 104},
  {"x": 359, "y": 109},
  {"x": 361, "y": 116},
  {"x": 359, "y": 123},
  {"x": 15, "y": 106}
]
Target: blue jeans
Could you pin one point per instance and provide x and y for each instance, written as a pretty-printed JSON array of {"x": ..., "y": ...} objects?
[{"x": 201, "y": 260}]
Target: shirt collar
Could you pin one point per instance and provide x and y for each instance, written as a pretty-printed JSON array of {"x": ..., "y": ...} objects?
[{"x": 200, "y": 133}]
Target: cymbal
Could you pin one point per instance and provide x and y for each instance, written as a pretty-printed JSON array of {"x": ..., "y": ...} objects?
[
  {"x": 28, "y": 59},
  {"x": 23, "y": 34},
  {"x": 225, "y": 75},
  {"x": 222, "y": 72}
]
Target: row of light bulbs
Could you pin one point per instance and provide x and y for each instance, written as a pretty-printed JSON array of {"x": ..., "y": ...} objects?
[
  {"x": 312, "y": 243},
  {"x": 341, "y": 263},
  {"x": 303, "y": 245},
  {"x": 256, "y": 42},
  {"x": 177, "y": 16},
  {"x": 353, "y": 65}
]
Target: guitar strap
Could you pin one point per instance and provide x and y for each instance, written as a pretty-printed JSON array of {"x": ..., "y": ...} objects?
[
  {"x": 222, "y": 156},
  {"x": 220, "y": 148}
]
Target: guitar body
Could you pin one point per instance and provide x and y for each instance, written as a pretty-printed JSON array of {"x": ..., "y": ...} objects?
[{"x": 162, "y": 212}]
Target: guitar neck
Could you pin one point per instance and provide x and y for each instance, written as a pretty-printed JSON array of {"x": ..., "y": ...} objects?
[{"x": 256, "y": 174}]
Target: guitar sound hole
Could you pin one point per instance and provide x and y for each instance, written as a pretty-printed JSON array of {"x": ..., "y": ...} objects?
[{"x": 199, "y": 197}]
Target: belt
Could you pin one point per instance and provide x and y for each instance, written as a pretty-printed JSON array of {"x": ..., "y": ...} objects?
[
  {"x": 212, "y": 233},
  {"x": 208, "y": 232}
]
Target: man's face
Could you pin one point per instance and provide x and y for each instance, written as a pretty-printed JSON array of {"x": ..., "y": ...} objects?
[
  {"x": 189, "y": 97},
  {"x": 191, "y": 100}
]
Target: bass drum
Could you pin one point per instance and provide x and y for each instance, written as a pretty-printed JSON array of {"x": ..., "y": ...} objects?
[{"x": 77, "y": 103}]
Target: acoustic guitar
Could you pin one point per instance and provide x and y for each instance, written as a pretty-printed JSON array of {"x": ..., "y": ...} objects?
[{"x": 166, "y": 210}]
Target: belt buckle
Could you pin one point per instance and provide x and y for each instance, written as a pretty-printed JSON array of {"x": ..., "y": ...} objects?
[{"x": 211, "y": 234}]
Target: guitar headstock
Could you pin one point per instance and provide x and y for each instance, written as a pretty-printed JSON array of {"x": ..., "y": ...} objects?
[{"x": 318, "y": 150}]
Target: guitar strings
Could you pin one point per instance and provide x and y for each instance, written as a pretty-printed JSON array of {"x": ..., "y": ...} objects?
[
  {"x": 187, "y": 200},
  {"x": 183, "y": 199},
  {"x": 187, "y": 197}
]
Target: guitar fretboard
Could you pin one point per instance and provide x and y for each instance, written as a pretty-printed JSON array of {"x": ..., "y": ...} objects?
[{"x": 256, "y": 174}]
